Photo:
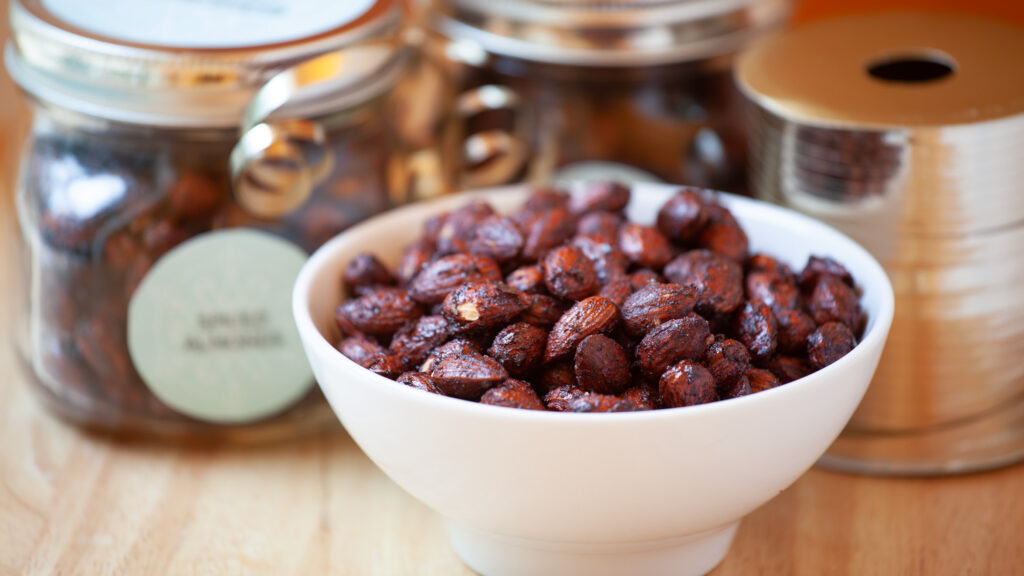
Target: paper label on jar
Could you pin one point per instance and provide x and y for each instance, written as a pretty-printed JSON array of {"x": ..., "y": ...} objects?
[
  {"x": 208, "y": 23},
  {"x": 589, "y": 171},
  {"x": 210, "y": 327}
]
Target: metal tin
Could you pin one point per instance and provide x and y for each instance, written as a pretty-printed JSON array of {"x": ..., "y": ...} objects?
[{"x": 904, "y": 130}]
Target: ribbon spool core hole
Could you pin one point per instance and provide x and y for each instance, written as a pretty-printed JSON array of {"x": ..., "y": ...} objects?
[{"x": 912, "y": 67}]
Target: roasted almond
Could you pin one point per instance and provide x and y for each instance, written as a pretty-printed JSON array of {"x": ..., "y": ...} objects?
[
  {"x": 687, "y": 384},
  {"x": 381, "y": 313},
  {"x": 513, "y": 394},
  {"x": 467, "y": 376},
  {"x": 655, "y": 304},
  {"x": 680, "y": 339},
  {"x": 497, "y": 238},
  {"x": 449, "y": 272},
  {"x": 601, "y": 365},
  {"x": 519, "y": 347},
  {"x": 593, "y": 315},
  {"x": 412, "y": 344},
  {"x": 569, "y": 274},
  {"x": 483, "y": 306},
  {"x": 644, "y": 245}
]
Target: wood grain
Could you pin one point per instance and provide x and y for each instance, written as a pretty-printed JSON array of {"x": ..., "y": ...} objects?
[{"x": 73, "y": 504}]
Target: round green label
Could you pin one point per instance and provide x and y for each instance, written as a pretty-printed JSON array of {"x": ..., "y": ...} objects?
[{"x": 210, "y": 328}]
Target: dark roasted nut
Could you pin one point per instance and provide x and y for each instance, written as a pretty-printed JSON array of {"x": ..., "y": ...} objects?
[
  {"x": 789, "y": 368},
  {"x": 601, "y": 226},
  {"x": 590, "y": 402},
  {"x": 544, "y": 199},
  {"x": 594, "y": 315},
  {"x": 547, "y": 230},
  {"x": 519, "y": 347},
  {"x": 414, "y": 342},
  {"x": 643, "y": 277},
  {"x": 617, "y": 291},
  {"x": 365, "y": 271},
  {"x": 468, "y": 375},
  {"x": 449, "y": 272},
  {"x": 529, "y": 279},
  {"x": 195, "y": 197},
  {"x": 460, "y": 225},
  {"x": 761, "y": 262},
  {"x": 452, "y": 347},
  {"x": 513, "y": 394},
  {"x": 558, "y": 398},
  {"x": 680, "y": 339},
  {"x": 794, "y": 328},
  {"x": 610, "y": 263},
  {"x": 414, "y": 259},
  {"x": 718, "y": 281},
  {"x": 543, "y": 310},
  {"x": 834, "y": 301},
  {"x": 761, "y": 380},
  {"x": 642, "y": 397},
  {"x": 556, "y": 375},
  {"x": 682, "y": 218},
  {"x": 723, "y": 235},
  {"x": 600, "y": 196},
  {"x": 381, "y": 313},
  {"x": 727, "y": 360},
  {"x": 644, "y": 245},
  {"x": 775, "y": 289},
  {"x": 432, "y": 227},
  {"x": 655, "y": 304},
  {"x": 483, "y": 306},
  {"x": 818, "y": 266},
  {"x": 739, "y": 387},
  {"x": 385, "y": 365},
  {"x": 360, "y": 349},
  {"x": 419, "y": 381},
  {"x": 687, "y": 383},
  {"x": 830, "y": 342},
  {"x": 601, "y": 365},
  {"x": 569, "y": 274},
  {"x": 756, "y": 328},
  {"x": 498, "y": 238}
]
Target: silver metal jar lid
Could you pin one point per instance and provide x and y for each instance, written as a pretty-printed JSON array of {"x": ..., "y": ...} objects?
[
  {"x": 180, "y": 63},
  {"x": 609, "y": 33}
]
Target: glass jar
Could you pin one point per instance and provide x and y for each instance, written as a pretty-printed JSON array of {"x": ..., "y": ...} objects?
[
  {"x": 170, "y": 191},
  {"x": 632, "y": 89}
]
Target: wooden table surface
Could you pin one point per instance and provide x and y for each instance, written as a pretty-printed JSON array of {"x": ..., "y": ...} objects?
[{"x": 75, "y": 504}]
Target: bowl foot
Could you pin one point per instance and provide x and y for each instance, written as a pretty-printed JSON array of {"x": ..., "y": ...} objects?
[{"x": 497, "y": 555}]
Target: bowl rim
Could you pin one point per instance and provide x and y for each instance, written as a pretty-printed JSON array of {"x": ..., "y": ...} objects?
[{"x": 875, "y": 334}]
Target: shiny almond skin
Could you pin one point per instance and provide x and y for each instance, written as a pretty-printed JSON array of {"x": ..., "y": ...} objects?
[
  {"x": 642, "y": 397},
  {"x": 788, "y": 368},
  {"x": 557, "y": 374},
  {"x": 756, "y": 328},
  {"x": 449, "y": 348},
  {"x": 413, "y": 343},
  {"x": 600, "y": 196},
  {"x": 723, "y": 235},
  {"x": 557, "y": 399},
  {"x": 728, "y": 360},
  {"x": 617, "y": 291},
  {"x": 519, "y": 347},
  {"x": 569, "y": 274},
  {"x": 644, "y": 245},
  {"x": 483, "y": 306},
  {"x": 381, "y": 313},
  {"x": 513, "y": 394},
  {"x": 834, "y": 301},
  {"x": 683, "y": 338},
  {"x": 830, "y": 342},
  {"x": 601, "y": 226},
  {"x": 643, "y": 277},
  {"x": 593, "y": 315},
  {"x": 817, "y": 267},
  {"x": 459, "y": 226},
  {"x": 610, "y": 263},
  {"x": 773, "y": 288},
  {"x": 682, "y": 217},
  {"x": 761, "y": 379},
  {"x": 529, "y": 279},
  {"x": 467, "y": 376},
  {"x": 385, "y": 365},
  {"x": 687, "y": 384},
  {"x": 419, "y": 381},
  {"x": 655, "y": 304},
  {"x": 498, "y": 238},
  {"x": 717, "y": 280},
  {"x": 448, "y": 273},
  {"x": 414, "y": 259},
  {"x": 591, "y": 402},
  {"x": 364, "y": 271},
  {"x": 547, "y": 230},
  {"x": 601, "y": 365},
  {"x": 543, "y": 310},
  {"x": 794, "y": 328},
  {"x": 360, "y": 349}
]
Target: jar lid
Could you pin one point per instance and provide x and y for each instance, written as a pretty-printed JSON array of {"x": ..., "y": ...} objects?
[
  {"x": 609, "y": 33},
  {"x": 194, "y": 64}
]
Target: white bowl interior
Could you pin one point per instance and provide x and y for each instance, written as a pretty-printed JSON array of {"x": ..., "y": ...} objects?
[{"x": 594, "y": 478}]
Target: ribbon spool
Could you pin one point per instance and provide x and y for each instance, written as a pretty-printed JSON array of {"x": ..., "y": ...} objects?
[{"x": 904, "y": 130}]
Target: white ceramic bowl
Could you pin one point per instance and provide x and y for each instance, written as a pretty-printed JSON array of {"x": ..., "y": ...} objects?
[{"x": 529, "y": 493}]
